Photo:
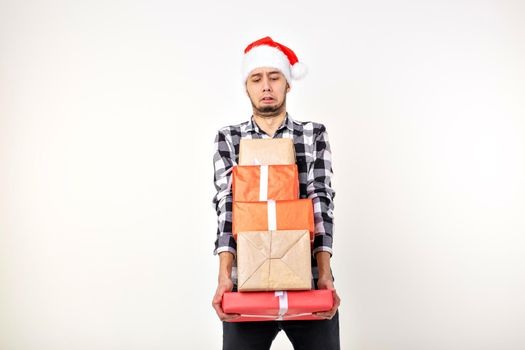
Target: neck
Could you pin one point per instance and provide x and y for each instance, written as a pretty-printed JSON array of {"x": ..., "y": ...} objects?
[{"x": 269, "y": 124}]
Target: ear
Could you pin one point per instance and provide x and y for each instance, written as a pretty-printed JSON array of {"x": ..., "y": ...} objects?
[{"x": 288, "y": 87}]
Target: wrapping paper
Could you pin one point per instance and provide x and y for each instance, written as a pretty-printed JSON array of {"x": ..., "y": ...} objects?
[
  {"x": 272, "y": 215},
  {"x": 262, "y": 182},
  {"x": 274, "y": 260},
  {"x": 280, "y": 305},
  {"x": 266, "y": 151}
]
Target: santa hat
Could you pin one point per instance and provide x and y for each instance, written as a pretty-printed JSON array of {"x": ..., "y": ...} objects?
[{"x": 267, "y": 53}]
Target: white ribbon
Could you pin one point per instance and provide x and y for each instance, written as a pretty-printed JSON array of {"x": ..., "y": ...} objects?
[
  {"x": 283, "y": 309},
  {"x": 272, "y": 216},
  {"x": 263, "y": 183},
  {"x": 273, "y": 317},
  {"x": 283, "y": 303}
]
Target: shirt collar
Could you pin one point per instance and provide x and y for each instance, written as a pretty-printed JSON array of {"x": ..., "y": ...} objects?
[{"x": 287, "y": 123}]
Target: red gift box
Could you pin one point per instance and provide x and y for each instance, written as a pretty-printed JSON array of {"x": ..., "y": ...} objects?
[{"x": 280, "y": 305}]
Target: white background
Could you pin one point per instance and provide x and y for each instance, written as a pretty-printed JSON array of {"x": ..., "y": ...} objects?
[{"x": 108, "y": 111}]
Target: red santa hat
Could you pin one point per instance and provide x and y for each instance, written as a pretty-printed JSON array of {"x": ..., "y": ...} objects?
[{"x": 267, "y": 53}]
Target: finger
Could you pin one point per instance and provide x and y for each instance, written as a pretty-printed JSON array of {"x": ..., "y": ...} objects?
[
  {"x": 219, "y": 312},
  {"x": 337, "y": 303},
  {"x": 337, "y": 300},
  {"x": 217, "y": 305},
  {"x": 218, "y": 308},
  {"x": 325, "y": 315},
  {"x": 330, "y": 314},
  {"x": 228, "y": 317},
  {"x": 217, "y": 299},
  {"x": 224, "y": 316},
  {"x": 333, "y": 311}
]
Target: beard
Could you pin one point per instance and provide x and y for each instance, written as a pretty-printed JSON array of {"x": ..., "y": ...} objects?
[{"x": 269, "y": 111}]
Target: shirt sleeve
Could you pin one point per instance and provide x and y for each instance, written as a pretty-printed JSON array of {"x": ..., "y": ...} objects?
[
  {"x": 223, "y": 162},
  {"x": 319, "y": 188}
]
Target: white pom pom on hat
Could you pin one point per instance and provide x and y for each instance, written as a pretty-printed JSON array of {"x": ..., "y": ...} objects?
[{"x": 267, "y": 53}]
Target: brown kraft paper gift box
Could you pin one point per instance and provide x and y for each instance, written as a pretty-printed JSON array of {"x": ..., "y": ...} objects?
[
  {"x": 266, "y": 152},
  {"x": 274, "y": 260}
]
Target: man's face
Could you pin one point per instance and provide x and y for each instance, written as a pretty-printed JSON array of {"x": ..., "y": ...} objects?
[{"x": 267, "y": 89}]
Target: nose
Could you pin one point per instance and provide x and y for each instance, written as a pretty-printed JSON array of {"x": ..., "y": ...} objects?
[{"x": 266, "y": 84}]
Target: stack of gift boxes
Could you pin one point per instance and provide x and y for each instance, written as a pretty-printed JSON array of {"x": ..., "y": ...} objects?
[{"x": 274, "y": 230}]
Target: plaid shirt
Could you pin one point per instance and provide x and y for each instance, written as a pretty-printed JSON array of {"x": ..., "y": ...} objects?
[{"x": 315, "y": 171}]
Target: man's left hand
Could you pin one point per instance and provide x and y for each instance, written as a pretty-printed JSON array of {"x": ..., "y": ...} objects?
[{"x": 328, "y": 283}]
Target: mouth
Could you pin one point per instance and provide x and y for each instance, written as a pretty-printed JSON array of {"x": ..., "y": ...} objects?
[{"x": 267, "y": 99}]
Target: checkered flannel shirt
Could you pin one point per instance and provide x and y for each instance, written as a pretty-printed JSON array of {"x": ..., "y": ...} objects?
[{"x": 315, "y": 171}]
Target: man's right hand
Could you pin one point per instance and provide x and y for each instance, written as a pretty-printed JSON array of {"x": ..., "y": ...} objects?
[{"x": 225, "y": 285}]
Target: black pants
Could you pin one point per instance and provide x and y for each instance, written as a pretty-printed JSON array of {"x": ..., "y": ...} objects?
[{"x": 304, "y": 335}]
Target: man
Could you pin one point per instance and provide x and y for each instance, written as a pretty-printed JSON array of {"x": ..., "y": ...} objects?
[{"x": 268, "y": 70}]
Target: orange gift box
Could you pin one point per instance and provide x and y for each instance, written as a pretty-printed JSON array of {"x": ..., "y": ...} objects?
[
  {"x": 272, "y": 215},
  {"x": 253, "y": 183},
  {"x": 271, "y": 306}
]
